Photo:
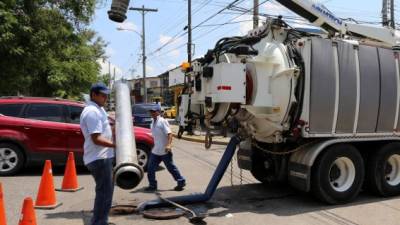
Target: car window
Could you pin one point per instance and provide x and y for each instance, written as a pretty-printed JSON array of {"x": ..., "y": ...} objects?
[
  {"x": 140, "y": 109},
  {"x": 46, "y": 112},
  {"x": 11, "y": 109},
  {"x": 75, "y": 114}
]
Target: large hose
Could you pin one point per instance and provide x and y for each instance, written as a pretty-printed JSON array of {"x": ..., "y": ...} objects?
[
  {"x": 212, "y": 185},
  {"x": 127, "y": 173}
]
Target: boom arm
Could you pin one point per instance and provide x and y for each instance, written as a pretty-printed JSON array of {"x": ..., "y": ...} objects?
[{"x": 319, "y": 15}]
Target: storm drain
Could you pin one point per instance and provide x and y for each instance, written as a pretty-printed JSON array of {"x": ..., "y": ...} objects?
[
  {"x": 163, "y": 213},
  {"x": 123, "y": 209}
]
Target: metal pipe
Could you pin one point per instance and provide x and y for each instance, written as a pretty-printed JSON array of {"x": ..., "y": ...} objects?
[
  {"x": 127, "y": 173},
  {"x": 212, "y": 185}
]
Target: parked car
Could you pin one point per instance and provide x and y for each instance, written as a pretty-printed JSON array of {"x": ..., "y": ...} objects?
[
  {"x": 35, "y": 129},
  {"x": 141, "y": 115},
  {"x": 164, "y": 107},
  {"x": 171, "y": 112}
]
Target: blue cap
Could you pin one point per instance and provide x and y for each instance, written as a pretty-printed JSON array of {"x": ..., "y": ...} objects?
[
  {"x": 155, "y": 107},
  {"x": 100, "y": 87}
]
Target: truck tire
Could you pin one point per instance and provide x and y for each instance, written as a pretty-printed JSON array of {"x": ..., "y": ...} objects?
[
  {"x": 180, "y": 132},
  {"x": 260, "y": 172},
  {"x": 11, "y": 159},
  {"x": 208, "y": 140},
  {"x": 383, "y": 171},
  {"x": 338, "y": 174}
]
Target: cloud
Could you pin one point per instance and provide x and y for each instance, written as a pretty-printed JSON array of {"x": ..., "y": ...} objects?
[
  {"x": 275, "y": 8},
  {"x": 110, "y": 51},
  {"x": 149, "y": 70},
  {"x": 126, "y": 26},
  {"x": 166, "y": 39},
  {"x": 246, "y": 26},
  {"x": 174, "y": 53},
  {"x": 105, "y": 68},
  {"x": 171, "y": 66}
]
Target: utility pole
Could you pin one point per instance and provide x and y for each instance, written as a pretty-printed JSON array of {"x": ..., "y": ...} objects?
[
  {"x": 109, "y": 74},
  {"x": 189, "y": 45},
  {"x": 255, "y": 14},
  {"x": 190, "y": 128},
  {"x": 385, "y": 21},
  {"x": 143, "y": 10},
  {"x": 392, "y": 23},
  {"x": 113, "y": 75},
  {"x": 388, "y": 14}
]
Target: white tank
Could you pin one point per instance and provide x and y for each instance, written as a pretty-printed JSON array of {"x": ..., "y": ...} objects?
[{"x": 308, "y": 87}]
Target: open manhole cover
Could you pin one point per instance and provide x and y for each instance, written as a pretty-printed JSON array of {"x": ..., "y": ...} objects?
[
  {"x": 122, "y": 209},
  {"x": 163, "y": 214}
]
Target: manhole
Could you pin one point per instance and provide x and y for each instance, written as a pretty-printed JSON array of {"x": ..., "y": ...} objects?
[
  {"x": 163, "y": 214},
  {"x": 122, "y": 209}
]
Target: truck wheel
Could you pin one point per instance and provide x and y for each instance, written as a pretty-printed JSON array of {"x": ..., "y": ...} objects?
[
  {"x": 208, "y": 140},
  {"x": 143, "y": 153},
  {"x": 383, "y": 171},
  {"x": 180, "y": 132},
  {"x": 338, "y": 174},
  {"x": 260, "y": 172},
  {"x": 11, "y": 159}
]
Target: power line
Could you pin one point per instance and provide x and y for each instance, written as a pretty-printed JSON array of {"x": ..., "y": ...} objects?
[
  {"x": 201, "y": 23},
  {"x": 221, "y": 24},
  {"x": 230, "y": 20},
  {"x": 207, "y": 32},
  {"x": 182, "y": 18}
]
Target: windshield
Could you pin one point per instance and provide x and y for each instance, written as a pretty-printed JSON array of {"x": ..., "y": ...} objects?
[{"x": 141, "y": 109}]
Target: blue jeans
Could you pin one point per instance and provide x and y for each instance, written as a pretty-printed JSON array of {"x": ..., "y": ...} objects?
[
  {"x": 101, "y": 171},
  {"x": 155, "y": 160}
]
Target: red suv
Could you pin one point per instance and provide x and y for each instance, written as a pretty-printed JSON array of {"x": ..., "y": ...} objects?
[{"x": 35, "y": 129}]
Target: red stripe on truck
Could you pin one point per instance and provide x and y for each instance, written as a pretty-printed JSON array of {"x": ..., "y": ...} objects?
[{"x": 224, "y": 88}]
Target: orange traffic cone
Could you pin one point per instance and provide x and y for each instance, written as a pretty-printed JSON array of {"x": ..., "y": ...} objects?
[
  {"x": 70, "y": 180},
  {"x": 2, "y": 210},
  {"x": 28, "y": 216},
  {"x": 46, "y": 197}
]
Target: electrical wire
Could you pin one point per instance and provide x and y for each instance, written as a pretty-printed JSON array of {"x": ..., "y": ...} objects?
[
  {"x": 201, "y": 23},
  {"x": 208, "y": 32}
]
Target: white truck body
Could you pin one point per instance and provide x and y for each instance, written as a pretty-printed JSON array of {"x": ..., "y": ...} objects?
[{"x": 319, "y": 112}]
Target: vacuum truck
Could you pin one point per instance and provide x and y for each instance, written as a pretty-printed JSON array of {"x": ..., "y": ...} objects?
[{"x": 318, "y": 112}]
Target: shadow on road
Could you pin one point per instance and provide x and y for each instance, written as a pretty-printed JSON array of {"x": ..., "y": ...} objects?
[
  {"x": 57, "y": 170},
  {"x": 254, "y": 198},
  {"x": 277, "y": 200}
]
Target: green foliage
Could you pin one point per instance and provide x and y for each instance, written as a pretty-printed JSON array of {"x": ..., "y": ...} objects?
[{"x": 46, "y": 48}]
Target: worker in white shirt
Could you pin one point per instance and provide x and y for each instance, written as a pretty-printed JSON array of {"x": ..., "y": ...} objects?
[{"x": 162, "y": 151}]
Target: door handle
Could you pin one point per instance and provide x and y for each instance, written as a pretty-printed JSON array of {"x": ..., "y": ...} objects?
[
  {"x": 27, "y": 128},
  {"x": 77, "y": 132}
]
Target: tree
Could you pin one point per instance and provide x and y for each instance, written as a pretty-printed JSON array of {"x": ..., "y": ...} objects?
[{"x": 46, "y": 48}]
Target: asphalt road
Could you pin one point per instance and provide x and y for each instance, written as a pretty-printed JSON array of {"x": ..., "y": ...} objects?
[{"x": 239, "y": 199}]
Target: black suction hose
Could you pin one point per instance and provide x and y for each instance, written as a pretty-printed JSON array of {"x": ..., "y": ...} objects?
[{"x": 212, "y": 185}]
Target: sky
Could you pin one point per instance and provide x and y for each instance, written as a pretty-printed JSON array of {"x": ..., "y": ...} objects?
[{"x": 166, "y": 39}]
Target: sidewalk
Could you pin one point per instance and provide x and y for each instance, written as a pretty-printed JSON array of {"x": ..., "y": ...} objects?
[{"x": 199, "y": 136}]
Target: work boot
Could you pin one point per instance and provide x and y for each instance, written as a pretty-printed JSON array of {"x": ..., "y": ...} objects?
[
  {"x": 150, "y": 189},
  {"x": 180, "y": 187}
]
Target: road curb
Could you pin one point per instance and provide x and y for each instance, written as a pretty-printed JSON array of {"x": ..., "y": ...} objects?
[{"x": 199, "y": 140}]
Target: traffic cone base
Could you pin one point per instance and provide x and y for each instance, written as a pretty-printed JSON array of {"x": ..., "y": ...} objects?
[
  {"x": 70, "y": 180},
  {"x": 69, "y": 190},
  {"x": 48, "y": 206},
  {"x": 46, "y": 197}
]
